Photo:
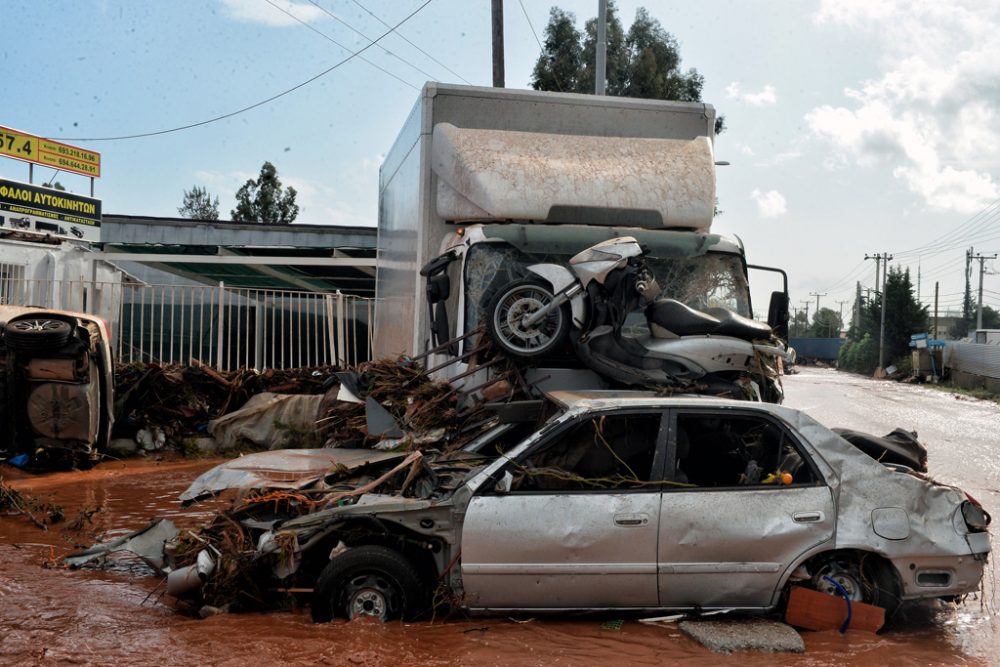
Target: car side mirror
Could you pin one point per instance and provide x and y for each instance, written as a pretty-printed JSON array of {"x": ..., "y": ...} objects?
[{"x": 505, "y": 482}]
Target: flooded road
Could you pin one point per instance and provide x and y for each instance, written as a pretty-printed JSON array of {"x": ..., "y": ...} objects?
[{"x": 118, "y": 617}]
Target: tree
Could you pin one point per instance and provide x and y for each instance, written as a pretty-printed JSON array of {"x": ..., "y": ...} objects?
[
  {"x": 265, "y": 201},
  {"x": 559, "y": 66},
  {"x": 199, "y": 205},
  {"x": 826, "y": 324},
  {"x": 904, "y": 316},
  {"x": 644, "y": 63}
]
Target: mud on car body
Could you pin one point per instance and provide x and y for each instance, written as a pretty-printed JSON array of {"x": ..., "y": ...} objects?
[
  {"x": 630, "y": 502},
  {"x": 56, "y": 378}
]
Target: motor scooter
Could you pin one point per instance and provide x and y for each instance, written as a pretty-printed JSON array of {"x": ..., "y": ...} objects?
[{"x": 676, "y": 347}]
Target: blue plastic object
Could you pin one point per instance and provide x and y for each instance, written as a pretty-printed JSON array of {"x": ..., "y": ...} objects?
[{"x": 847, "y": 598}]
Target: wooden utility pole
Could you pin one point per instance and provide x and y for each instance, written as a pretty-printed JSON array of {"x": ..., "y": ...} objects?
[
  {"x": 601, "y": 61},
  {"x": 498, "y": 74}
]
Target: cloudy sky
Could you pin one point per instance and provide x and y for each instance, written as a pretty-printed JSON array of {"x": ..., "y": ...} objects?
[{"x": 854, "y": 127}]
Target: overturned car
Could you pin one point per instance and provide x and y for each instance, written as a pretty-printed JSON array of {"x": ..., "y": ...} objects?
[
  {"x": 56, "y": 379},
  {"x": 621, "y": 500}
]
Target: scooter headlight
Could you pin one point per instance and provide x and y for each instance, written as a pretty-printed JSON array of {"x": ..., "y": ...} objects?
[{"x": 592, "y": 255}]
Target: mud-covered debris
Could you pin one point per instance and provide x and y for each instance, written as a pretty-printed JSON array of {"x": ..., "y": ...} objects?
[{"x": 39, "y": 512}]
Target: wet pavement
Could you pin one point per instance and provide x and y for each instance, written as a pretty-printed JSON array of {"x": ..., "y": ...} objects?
[{"x": 119, "y": 617}]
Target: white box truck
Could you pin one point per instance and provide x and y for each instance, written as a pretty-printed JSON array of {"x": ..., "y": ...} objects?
[{"x": 510, "y": 178}]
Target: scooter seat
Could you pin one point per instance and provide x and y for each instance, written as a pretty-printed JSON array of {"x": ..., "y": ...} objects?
[
  {"x": 737, "y": 326},
  {"x": 680, "y": 319}
]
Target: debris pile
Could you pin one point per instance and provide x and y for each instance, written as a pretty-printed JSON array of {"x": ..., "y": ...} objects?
[
  {"x": 161, "y": 403},
  {"x": 39, "y": 512}
]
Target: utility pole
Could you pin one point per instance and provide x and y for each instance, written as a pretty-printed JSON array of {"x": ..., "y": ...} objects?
[
  {"x": 879, "y": 259},
  {"x": 841, "y": 304},
  {"x": 601, "y": 64},
  {"x": 806, "y": 304},
  {"x": 937, "y": 287},
  {"x": 817, "y": 295},
  {"x": 982, "y": 269},
  {"x": 498, "y": 74}
]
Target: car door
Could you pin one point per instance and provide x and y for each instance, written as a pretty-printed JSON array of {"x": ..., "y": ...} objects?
[
  {"x": 578, "y": 527},
  {"x": 742, "y": 504}
]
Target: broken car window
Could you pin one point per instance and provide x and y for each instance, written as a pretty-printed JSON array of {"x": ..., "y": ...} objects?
[
  {"x": 598, "y": 453},
  {"x": 715, "y": 450}
]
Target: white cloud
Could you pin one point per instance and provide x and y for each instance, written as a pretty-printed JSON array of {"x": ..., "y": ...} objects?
[
  {"x": 258, "y": 11},
  {"x": 765, "y": 98},
  {"x": 930, "y": 116},
  {"x": 770, "y": 204}
]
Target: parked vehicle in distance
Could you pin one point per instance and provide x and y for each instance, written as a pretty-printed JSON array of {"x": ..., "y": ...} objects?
[
  {"x": 625, "y": 501},
  {"x": 56, "y": 376}
]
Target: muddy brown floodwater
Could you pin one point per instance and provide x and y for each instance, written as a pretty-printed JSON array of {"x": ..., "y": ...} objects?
[{"x": 118, "y": 617}]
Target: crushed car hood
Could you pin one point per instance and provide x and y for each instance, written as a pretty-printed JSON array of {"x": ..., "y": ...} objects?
[{"x": 280, "y": 469}]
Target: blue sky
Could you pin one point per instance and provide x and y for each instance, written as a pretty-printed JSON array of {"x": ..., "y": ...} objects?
[{"x": 854, "y": 127}]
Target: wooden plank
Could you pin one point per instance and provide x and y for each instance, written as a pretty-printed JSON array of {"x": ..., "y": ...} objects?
[{"x": 813, "y": 610}]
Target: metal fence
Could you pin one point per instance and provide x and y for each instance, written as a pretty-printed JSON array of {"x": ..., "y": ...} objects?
[
  {"x": 975, "y": 358},
  {"x": 223, "y": 327}
]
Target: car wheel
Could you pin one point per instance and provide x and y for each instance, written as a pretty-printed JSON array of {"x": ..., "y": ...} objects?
[
  {"x": 37, "y": 333},
  {"x": 864, "y": 579},
  {"x": 367, "y": 581}
]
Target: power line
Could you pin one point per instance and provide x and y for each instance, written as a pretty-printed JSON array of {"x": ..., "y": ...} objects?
[
  {"x": 403, "y": 37},
  {"x": 530, "y": 25},
  {"x": 340, "y": 20},
  {"x": 256, "y": 104},
  {"x": 332, "y": 40}
]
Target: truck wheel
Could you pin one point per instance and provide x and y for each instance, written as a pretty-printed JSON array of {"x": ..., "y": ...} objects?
[
  {"x": 367, "y": 581},
  {"x": 35, "y": 334},
  {"x": 507, "y": 311}
]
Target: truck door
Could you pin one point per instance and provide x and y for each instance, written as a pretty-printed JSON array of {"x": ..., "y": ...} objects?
[
  {"x": 730, "y": 526},
  {"x": 578, "y": 527}
]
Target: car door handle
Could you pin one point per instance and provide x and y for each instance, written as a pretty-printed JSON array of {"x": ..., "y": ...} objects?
[
  {"x": 808, "y": 517},
  {"x": 631, "y": 519}
]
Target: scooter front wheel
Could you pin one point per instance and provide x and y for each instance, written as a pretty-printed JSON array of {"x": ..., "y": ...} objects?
[{"x": 509, "y": 308}]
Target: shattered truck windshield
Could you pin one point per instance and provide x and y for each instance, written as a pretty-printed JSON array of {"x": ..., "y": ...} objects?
[{"x": 708, "y": 280}]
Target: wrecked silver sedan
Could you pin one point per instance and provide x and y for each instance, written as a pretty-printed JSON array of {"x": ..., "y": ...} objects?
[{"x": 620, "y": 501}]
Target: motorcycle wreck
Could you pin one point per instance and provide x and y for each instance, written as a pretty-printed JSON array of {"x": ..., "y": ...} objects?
[{"x": 609, "y": 306}]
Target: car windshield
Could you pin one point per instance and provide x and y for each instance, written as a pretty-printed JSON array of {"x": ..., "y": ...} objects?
[{"x": 702, "y": 281}]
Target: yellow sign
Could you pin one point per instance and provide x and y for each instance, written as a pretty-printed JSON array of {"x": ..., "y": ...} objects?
[{"x": 28, "y": 147}]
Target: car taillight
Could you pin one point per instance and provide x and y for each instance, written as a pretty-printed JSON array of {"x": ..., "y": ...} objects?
[{"x": 976, "y": 518}]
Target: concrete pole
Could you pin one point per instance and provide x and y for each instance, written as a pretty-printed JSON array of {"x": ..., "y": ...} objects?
[
  {"x": 937, "y": 287},
  {"x": 982, "y": 270},
  {"x": 498, "y": 73},
  {"x": 881, "y": 329},
  {"x": 601, "y": 64}
]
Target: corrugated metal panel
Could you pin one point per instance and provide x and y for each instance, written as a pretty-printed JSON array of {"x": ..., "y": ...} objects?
[{"x": 975, "y": 358}]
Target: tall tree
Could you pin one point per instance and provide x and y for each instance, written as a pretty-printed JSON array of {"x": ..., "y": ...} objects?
[
  {"x": 826, "y": 324},
  {"x": 558, "y": 67},
  {"x": 199, "y": 205},
  {"x": 645, "y": 62},
  {"x": 265, "y": 201},
  {"x": 904, "y": 316}
]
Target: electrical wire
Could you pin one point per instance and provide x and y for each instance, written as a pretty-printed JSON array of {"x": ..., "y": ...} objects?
[
  {"x": 403, "y": 37},
  {"x": 530, "y": 25},
  {"x": 428, "y": 75},
  {"x": 332, "y": 40},
  {"x": 216, "y": 119}
]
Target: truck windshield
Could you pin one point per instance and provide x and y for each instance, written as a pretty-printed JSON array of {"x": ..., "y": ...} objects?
[{"x": 709, "y": 280}]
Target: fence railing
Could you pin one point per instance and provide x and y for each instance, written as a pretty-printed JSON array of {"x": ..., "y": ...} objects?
[{"x": 220, "y": 326}]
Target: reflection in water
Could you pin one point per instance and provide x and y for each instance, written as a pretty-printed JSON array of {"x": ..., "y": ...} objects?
[{"x": 119, "y": 616}]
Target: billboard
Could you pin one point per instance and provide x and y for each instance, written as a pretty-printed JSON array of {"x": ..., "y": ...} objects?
[
  {"x": 31, "y": 208},
  {"x": 49, "y": 153}
]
